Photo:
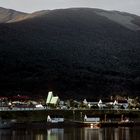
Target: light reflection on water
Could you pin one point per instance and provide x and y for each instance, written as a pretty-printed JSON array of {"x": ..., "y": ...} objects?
[{"x": 120, "y": 133}]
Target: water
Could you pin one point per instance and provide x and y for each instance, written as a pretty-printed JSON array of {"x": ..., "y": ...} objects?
[{"x": 120, "y": 133}]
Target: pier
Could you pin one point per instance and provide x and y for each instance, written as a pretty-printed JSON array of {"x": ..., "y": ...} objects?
[{"x": 34, "y": 114}]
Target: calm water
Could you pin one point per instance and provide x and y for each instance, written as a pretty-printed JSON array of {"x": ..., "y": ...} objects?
[{"x": 121, "y": 133}]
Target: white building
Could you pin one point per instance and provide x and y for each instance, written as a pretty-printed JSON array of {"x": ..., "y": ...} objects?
[
  {"x": 100, "y": 104},
  {"x": 49, "y": 97},
  {"x": 52, "y": 100}
]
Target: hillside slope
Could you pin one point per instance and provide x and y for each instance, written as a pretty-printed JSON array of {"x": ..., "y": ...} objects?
[
  {"x": 75, "y": 52},
  {"x": 9, "y": 15}
]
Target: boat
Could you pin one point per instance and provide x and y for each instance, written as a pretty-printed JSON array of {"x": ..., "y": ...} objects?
[
  {"x": 126, "y": 122},
  {"x": 5, "y": 124}
]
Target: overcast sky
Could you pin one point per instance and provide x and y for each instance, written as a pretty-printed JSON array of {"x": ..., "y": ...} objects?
[{"x": 131, "y": 6}]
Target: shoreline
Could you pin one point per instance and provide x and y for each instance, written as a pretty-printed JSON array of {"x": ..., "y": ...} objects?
[{"x": 108, "y": 118}]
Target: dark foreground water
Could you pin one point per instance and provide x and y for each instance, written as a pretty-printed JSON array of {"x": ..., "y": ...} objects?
[{"x": 120, "y": 133}]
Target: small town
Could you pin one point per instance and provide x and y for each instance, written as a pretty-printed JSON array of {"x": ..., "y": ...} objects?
[
  {"x": 21, "y": 102},
  {"x": 69, "y": 70},
  {"x": 53, "y": 110}
]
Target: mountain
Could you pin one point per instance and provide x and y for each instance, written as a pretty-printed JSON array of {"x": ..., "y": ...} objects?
[
  {"x": 76, "y": 52},
  {"x": 9, "y": 15}
]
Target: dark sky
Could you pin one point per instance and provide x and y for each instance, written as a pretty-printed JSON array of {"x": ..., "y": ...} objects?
[{"x": 131, "y": 6}]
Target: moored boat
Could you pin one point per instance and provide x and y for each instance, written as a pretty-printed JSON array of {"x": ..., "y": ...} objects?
[{"x": 5, "y": 124}]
